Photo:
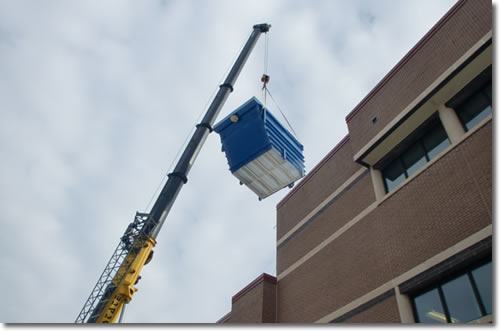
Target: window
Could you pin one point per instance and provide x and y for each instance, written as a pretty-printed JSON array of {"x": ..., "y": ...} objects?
[
  {"x": 482, "y": 275},
  {"x": 428, "y": 307},
  {"x": 473, "y": 102},
  {"x": 476, "y": 108},
  {"x": 462, "y": 299},
  {"x": 424, "y": 146}
]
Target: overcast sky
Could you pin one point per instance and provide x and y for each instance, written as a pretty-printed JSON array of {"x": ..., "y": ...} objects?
[{"x": 96, "y": 99}]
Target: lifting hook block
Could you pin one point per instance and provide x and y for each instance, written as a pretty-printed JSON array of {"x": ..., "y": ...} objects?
[{"x": 265, "y": 79}]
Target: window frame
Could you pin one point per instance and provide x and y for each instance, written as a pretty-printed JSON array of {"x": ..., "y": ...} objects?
[
  {"x": 460, "y": 110},
  {"x": 476, "y": 86},
  {"x": 440, "y": 282},
  {"x": 415, "y": 138}
]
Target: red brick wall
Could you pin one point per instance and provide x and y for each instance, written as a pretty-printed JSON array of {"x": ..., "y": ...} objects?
[
  {"x": 471, "y": 20},
  {"x": 441, "y": 206},
  {"x": 383, "y": 312},
  {"x": 444, "y": 204},
  {"x": 269, "y": 303},
  {"x": 348, "y": 204},
  {"x": 256, "y": 303},
  {"x": 248, "y": 309},
  {"x": 337, "y": 167}
]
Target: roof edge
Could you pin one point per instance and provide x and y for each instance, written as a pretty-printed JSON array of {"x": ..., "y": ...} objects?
[
  {"x": 263, "y": 277},
  {"x": 224, "y": 318},
  {"x": 406, "y": 58}
]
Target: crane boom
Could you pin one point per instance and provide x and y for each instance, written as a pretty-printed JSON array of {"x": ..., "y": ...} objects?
[{"x": 115, "y": 287}]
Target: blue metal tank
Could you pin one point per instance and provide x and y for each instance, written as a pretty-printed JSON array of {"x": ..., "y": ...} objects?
[{"x": 260, "y": 151}]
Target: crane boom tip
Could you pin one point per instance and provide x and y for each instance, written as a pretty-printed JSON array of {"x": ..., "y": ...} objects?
[{"x": 264, "y": 27}]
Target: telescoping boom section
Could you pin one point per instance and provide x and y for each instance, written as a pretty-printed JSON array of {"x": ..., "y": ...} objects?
[{"x": 115, "y": 287}]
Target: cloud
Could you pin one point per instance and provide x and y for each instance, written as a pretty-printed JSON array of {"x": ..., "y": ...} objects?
[{"x": 97, "y": 98}]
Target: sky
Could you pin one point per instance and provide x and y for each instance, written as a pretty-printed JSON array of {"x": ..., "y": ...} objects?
[{"x": 98, "y": 97}]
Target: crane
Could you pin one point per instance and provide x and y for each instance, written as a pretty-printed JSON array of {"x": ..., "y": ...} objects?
[{"x": 115, "y": 286}]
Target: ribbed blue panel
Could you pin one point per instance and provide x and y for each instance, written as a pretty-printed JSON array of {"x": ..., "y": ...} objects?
[
  {"x": 281, "y": 139},
  {"x": 256, "y": 132}
]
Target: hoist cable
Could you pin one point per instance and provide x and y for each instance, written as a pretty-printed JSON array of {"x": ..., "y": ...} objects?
[
  {"x": 282, "y": 114},
  {"x": 266, "y": 53},
  {"x": 264, "y": 95},
  {"x": 265, "y": 79}
]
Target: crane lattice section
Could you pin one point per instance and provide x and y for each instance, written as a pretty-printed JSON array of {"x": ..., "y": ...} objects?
[{"x": 134, "y": 234}]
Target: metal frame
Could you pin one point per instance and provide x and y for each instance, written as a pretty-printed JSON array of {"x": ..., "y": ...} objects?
[{"x": 134, "y": 233}]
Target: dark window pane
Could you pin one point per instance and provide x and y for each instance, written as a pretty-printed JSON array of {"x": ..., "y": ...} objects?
[
  {"x": 414, "y": 158},
  {"x": 393, "y": 175},
  {"x": 428, "y": 307},
  {"x": 478, "y": 118},
  {"x": 435, "y": 141},
  {"x": 482, "y": 277},
  {"x": 487, "y": 90},
  {"x": 476, "y": 108},
  {"x": 460, "y": 299}
]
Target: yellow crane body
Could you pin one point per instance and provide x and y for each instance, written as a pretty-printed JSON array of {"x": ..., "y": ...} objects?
[{"x": 126, "y": 277}]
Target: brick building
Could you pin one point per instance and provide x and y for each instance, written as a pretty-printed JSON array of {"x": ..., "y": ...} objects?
[{"x": 394, "y": 225}]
